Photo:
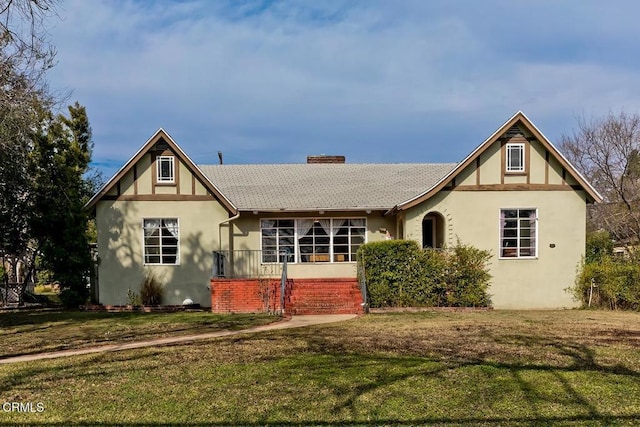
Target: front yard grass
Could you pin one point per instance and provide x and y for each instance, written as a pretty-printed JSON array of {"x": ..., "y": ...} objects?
[
  {"x": 482, "y": 368},
  {"x": 41, "y": 331}
]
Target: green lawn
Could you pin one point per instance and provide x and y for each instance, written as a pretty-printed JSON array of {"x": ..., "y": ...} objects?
[
  {"x": 40, "y": 331},
  {"x": 486, "y": 368}
]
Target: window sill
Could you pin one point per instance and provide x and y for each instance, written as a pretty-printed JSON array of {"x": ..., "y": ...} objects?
[
  {"x": 310, "y": 263},
  {"x": 160, "y": 265},
  {"x": 165, "y": 184},
  {"x": 519, "y": 173},
  {"x": 520, "y": 258}
]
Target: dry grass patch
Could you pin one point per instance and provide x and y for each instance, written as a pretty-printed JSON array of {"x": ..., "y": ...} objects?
[
  {"x": 40, "y": 331},
  {"x": 489, "y": 368}
]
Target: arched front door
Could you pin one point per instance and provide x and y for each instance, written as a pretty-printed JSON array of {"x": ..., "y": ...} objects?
[{"x": 433, "y": 230}]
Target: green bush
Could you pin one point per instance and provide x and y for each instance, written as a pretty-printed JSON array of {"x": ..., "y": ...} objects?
[
  {"x": 390, "y": 268},
  {"x": 598, "y": 246},
  {"x": 399, "y": 274},
  {"x": 151, "y": 290},
  {"x": 609, "y": 283},
  {"x": 467, "y": 277},
  {"x": 72, "y": 299}
]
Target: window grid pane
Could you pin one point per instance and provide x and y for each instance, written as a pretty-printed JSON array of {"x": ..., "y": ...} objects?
[
  {"x": 325, "y": 240},
  {"x": 518, "y": 229},
  {"x": 165, "y": 168},
  {"x": 161, "y": 241},
  {"x": 515, "y": 158},
  {"x": 278, "y": 240}
]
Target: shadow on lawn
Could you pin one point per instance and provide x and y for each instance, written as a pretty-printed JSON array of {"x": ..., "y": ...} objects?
[
  {"x": 358, "y": 373},
  {"x": 438, "y": 362},
  {"x": 37, "y": 318},
  {"x": 66, "y": 369}
]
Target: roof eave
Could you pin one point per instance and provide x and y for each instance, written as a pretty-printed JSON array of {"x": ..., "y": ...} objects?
[{"x": 349, "y": 209}]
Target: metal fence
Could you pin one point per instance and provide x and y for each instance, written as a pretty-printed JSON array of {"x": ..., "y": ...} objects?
[
  {"x": 10, "y": 294},
  {"x": 244, "y": 264}
]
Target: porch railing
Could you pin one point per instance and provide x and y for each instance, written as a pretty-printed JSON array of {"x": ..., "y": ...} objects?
[
  {"x": 244, "y": 264},
  {"x": 362, "y": 282}
]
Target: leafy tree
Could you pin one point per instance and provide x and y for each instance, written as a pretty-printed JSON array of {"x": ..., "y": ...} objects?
[
  {"x": 60, "y": 158},
  {"x": 25, "y": 57},
  {"x": 607, "y": 152}
]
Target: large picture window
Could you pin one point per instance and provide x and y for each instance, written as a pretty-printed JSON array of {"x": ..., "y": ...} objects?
[
  {"x": 518, "y": 233},
  {"x": 515, "y": 158},
  {"x": 312, "y": 240},
  {"x": 161, "y": 241}
]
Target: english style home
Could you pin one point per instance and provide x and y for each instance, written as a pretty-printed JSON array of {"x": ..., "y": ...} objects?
[{"x": 515, "y": 195}]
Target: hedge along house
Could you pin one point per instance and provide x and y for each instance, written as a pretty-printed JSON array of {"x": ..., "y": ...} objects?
[{"x": 216, "y": 234}]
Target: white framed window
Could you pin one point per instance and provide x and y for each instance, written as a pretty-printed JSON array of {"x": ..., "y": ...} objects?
[
  {"x": 518, "y": 233},
  {"x": 165, "y": 169},
  {"x": 278, "y": 240},
  {"x": 515, "y": 158},
  {"x": 161, "y": 241},
  {"x": 348, "y": 235},
  {"x": 312, "y": 240}
]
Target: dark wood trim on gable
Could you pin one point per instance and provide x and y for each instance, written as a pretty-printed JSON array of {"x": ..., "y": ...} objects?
[
  {"x": 478, "y": 171},
  {"x": 546, "y": 166},
  {"x": 118, "y": 191},
  {"x": 176, "y": 173},
  {"x": 154, "y": 173},
  {"x": 516, "y": 187},
  {"x": 160, "y": 197},
  {"x": 503, "y": 158},
  {"x": 527, "y": 160},
  {"x": 135, "y": 179},
  {"x": 193, "y": 184}
]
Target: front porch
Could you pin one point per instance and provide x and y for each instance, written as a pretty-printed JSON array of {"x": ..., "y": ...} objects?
[{"x": 242, "y": 283}]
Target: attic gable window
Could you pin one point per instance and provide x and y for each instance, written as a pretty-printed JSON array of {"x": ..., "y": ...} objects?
[
  {"x": 165, "y": 169},
  {"x": 515, "y": 158}
]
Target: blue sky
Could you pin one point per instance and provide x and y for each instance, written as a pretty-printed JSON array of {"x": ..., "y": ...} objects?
[{"x": 376, "y": 81}]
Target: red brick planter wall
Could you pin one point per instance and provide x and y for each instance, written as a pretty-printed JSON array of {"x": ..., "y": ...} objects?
[
  {"x": 245, "y": 295},
  {"x": 303, "y": 296}
]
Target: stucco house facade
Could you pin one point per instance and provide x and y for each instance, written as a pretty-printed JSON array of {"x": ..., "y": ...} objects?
[{"x": 515, "y": 194}]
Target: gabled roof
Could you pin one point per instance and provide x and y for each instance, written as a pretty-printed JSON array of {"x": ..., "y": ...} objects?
[
  {"x": 300, "y": 187},
  {"x": 517, "y": 118},
  {"x": 316, "y": 187},
  {"x": 162, "y": 134}
]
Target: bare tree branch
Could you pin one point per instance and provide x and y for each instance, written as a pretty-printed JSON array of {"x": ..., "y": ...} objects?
[{"x": 607, "y": 152}]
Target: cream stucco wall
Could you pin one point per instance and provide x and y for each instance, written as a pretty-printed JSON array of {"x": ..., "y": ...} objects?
[
  {"x": 120, "y": 248},
  {"x": 473, "y": 217}
]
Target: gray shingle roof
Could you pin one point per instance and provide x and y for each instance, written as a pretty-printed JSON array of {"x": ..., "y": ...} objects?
[{"x": 324, "y": 186}]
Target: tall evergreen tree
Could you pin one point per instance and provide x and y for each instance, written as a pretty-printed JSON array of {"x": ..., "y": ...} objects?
[{"x": 60, "y": 158}]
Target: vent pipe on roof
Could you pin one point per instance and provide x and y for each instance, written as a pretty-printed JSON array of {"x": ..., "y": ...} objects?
[
  {"x": 220, "y": 156},
  {"x": 323, "y": 158}
]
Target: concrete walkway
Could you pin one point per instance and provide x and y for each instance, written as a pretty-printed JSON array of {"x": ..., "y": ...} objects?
[{"x": 293, "y": 322}]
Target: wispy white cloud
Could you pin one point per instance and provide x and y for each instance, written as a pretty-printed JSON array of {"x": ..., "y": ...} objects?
[{"x": 272, "y": 81}]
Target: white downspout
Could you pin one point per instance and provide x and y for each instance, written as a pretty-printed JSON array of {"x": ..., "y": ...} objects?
[{"x": 226, "y": 221}]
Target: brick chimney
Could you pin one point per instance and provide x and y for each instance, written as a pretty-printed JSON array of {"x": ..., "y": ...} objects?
[{"x": 323, "y": 158}]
